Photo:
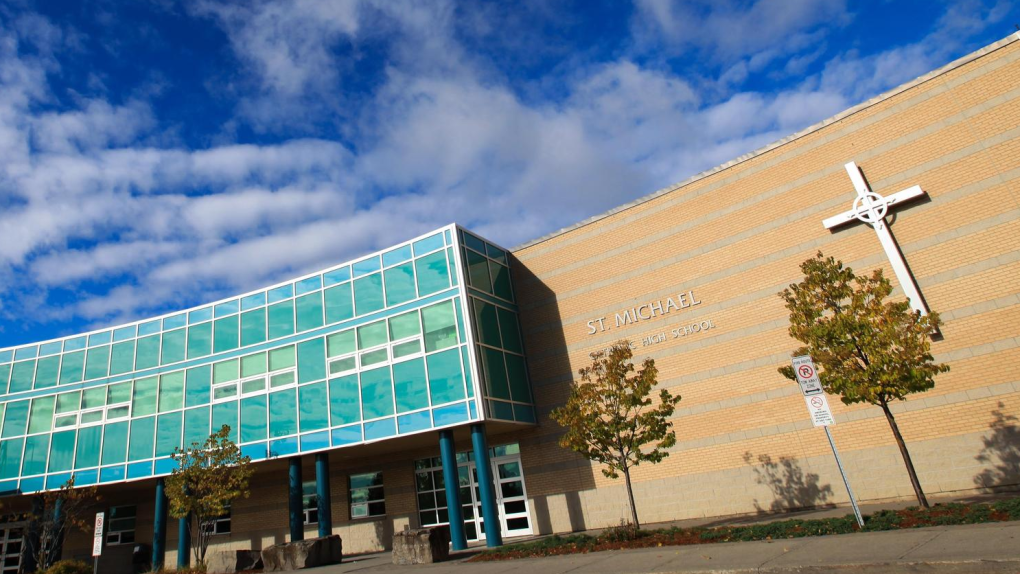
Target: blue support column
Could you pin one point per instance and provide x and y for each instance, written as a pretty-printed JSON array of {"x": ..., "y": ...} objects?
[
  {"x": 493, "y": 534},
  {"x": 159, "y": 526},
  {"x": 297, "y": 515},
  {"x": 325, "y": 507},
  {"x": 183, "y": 541},
  {"x": 448, "y": 454}
]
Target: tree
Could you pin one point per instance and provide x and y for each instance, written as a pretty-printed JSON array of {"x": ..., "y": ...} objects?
[
  {"x": 868, "y": 349},
  {"x": 208, "y": 477},
  {"x": 609, "y": 416},
  {"x": 66, "y": 507}
]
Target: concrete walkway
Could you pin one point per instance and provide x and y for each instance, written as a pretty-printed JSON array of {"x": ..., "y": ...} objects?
[{"x": 979, "y": 548}]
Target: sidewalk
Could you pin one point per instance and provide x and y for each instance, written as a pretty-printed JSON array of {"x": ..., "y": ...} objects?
[{"x": 978, "y": 548}]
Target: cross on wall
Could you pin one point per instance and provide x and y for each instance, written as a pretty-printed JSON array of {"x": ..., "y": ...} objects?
[{"x": 871, "y": 208}]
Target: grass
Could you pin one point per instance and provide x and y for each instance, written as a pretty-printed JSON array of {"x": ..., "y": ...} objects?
[{"x": 626, "y": 536}]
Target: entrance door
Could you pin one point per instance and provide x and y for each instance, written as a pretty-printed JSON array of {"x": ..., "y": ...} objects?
[{"x": 511, "y": 498}]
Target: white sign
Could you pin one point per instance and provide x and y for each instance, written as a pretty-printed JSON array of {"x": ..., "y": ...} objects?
[
  {"x": 871, "y": 208},
  {"x": 818, "y": 406},
  {"x": 97, "y": 540},
  {"x": 807, "y": 376}
]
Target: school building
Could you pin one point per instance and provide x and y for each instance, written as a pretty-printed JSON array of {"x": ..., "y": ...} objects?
[{"x": 379, "y": 393}]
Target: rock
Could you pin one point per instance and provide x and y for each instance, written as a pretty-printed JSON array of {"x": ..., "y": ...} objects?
[
  {"x": 230, "y": 561},
  {"x": 303, "y": 554},
  {"x": 421, "y": 545}
]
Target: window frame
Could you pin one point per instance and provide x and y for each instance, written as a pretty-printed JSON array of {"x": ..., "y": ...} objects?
[
  {"x": 368, "y": 502},
  {"x": 112, "y": 532}
]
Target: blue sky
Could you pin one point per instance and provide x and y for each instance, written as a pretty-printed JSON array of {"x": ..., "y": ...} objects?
[{"x": 156, "y": 155}]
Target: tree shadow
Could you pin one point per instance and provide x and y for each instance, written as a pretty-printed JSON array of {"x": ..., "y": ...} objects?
[
  {"x": 1002, "y": 451},
  {"x": 792, "y": 488}
]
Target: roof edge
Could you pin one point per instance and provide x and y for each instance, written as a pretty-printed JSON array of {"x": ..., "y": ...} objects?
[{"x": 959, "y": 62}]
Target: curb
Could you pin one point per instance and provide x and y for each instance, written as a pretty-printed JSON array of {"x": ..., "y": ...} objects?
[{"x": 939, "y": 567}]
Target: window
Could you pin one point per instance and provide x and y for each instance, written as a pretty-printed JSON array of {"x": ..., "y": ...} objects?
[
  {"x": 121, "y": 525},
  {"x": 218, "y": 525},
  {"x": 367, "y": 495},
  {"x": 310, "y": 502}
]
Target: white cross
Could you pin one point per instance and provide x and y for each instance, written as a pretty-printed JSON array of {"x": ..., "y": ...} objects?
[{"x": 871, "y": 208}]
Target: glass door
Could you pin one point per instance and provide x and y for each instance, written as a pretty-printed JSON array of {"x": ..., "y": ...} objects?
[
  {"x": 511, "y": 497},
  {"x": 10, "y": 548}
]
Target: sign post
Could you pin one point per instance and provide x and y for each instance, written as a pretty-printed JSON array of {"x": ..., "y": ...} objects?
[
  {"x": 97, "y": 541},
  {"x": 821, "y": 416}
]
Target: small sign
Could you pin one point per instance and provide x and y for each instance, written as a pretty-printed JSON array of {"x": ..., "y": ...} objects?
[
  {"x": 818, "y": 406},
  {"x": 807, "y": 376},
  {"x": 97, "y": 540}
]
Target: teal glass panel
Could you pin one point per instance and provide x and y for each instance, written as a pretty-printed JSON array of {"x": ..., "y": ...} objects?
[
  {"x": 339, "y": 305},
  {"x": 124, "y": 333},
  {"x": 143, "y": 438},
  {"x": 315, "y": 441},
  {"x": 254, "y": 451},
  {"x": 119, "y": 393},
  {"x": 94, "y": 397},
  {"x": 478, "y": 271},
  {"x": 253, "y": 301},
  {"x": 50, "y": 348},
  {"x": 377, "y": 393},
  {"x": 336, "y": 276},
  {"x": 87, "y": 452},
  {"x": 26, "y": 353},
  {"x": 15, "y": 419},
  {"x": 365, "y": 266},
  {"x": 226, "y": 333},
  {"x": 495, "y": 374},
  {"x": 308, "y": 311},
  {"x": 171, "y": 391},
  {"x": 440, "y": 326},
  {"x": 517, "y": 372},
  {"x": 524, "y": 413},
  {"x": 283, "y": 413},
  {"x": 228, "y": 308},
  {"x": 46, "y": 372},
  {"x": 281, "y": 358},
  {"x": 74, "y": 344},
  {"x": 226, "y": 371},
  {"x": 71, "y": 367},
  {"x": 430, "y": 243},
  {"x": 175, "y": 321},
  {"x": 340, "y": 343},
  {"x": 97, "y": 363},
  {"x": 69, "y": 402},
  {"x": 253, "y": 327},
  {"x": 122, "y": 358},
  {"x": 225, "y": 414},
  {"x": 486, "y": 323},
  {"x": 10, "y": 457},
  {"x": 280, "y": 293},
  {"x": 451, "y": 261},
  {"x": 473, "y": 242},
  {"x": 253, "y": 365},
  {"x": 398, "y": 255},
  {"x": 145, "y": 329},
  {"x": 344, "y": 400},
  {"x": 5, "y": 376},
  {"x": 414, "y": 422},
  {"x": 281, "y": 319},
  {"x": 62, "y": 451},
  {"x": 253, "y": 418},
  {"x": 450, "y": 414},
  {"x": 460, "y": 323},
  {"x": 501, "y": 410},
  {"x": 399, "y": 284},
  {"x": 510, "y": 330},
  {"x": 372, "y": 334},
  {"x": 168, "y": 433},
  {"x": 36, "y": 450},
  {"x": 196, "y": 388},
  {"x": 311, "y": 360},
  {"x": 495, "y": 253},
  {"x": 307, "y": 285},
  {"x": 115, "y": 443},
  {"x": 283, "y": 447},
  {"x": 346, "y": 435},
  {"x": 147, "y": 352},
  {"x": 500, "y": 281},
  {"x": 199, "y": 340},
  {"x": 196, "y": 425},
  {"x": 313, "y": 407},
  {"x": 380, "y": 429},
  {"x": 40, "y": 418},
  {"x": 143, "y": 400},
  {"x": 173, "y": 347},
  {"x": 409, "y": 385},
  {"x": 446, "y": 380},
  {"x": 433, "y": 274},
  {"x": 368, "y": 294},
  {"x": 199, "y": 315},
  {"x": 5, "y": 356}
]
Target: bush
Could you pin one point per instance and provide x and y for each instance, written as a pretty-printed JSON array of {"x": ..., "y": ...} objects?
[
  {"x": 1009, "y": 507},
  {"x": 625, "y": 532},
  {"x": 69, "y": 567}
]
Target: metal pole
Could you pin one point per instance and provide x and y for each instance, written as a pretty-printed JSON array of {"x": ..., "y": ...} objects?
[{"x": 839, "y": 463}]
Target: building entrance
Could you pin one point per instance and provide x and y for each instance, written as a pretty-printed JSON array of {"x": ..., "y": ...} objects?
[{"x": 11, "y": 544}]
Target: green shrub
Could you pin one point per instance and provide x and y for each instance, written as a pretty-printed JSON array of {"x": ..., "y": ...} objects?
[
  {"x": 883, "y": 520},
  {"x": 625, "y": 532},
  {"x": 69, "y": 567},
  {"x": 1010, "y": 507}
]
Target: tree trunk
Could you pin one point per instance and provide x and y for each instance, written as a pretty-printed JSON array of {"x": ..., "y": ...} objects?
[
  {"x": 630, "y": 495},
  {"x": 906, "y": 456}
]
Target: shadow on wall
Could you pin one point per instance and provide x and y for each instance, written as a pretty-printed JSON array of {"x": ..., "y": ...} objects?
[
  {"x": 1002, "y": 450},
  {"x": 554, "y": 485},
  {"x": 792, "y": 488}
]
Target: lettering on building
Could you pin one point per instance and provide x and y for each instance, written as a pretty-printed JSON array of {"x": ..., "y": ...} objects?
[{"x": 635, "y": 315}]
